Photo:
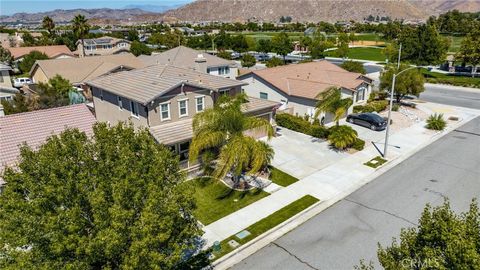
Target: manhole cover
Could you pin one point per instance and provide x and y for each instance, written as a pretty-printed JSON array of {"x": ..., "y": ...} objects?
[{"x": 233, "y": 243}]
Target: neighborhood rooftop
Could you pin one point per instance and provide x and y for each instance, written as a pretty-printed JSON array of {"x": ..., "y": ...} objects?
[
  {"x": 78, "y": 70},
  {"x": 309, "y": 79},
  {"x": 182, "y": 56},
  {"x": 51, "y": 51},
  {"x": 145, "y": 84},
  {"x": 105, "y": 40},
  {"x": 35, "y": 127}
]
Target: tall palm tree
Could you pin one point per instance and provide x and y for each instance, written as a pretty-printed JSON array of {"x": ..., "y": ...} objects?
[
  {"x": 331, "y": 101},
  {"x": 80, "y": 28},
  {"x": 48, "y": 24},
  {"x": 221, "y": 130}
]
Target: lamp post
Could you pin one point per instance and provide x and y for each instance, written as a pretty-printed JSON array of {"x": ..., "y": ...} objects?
[{"x": 391, "y": 102}]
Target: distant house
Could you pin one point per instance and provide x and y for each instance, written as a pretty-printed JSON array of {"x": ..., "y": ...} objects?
[
  {"x": 80, "y": 70},
  {"x": 53, "y": 52},
  {"x": 296, "y": 86},
  {"x": 33, "y": 128},
  {"x": 182, "y": 56},
  {"x": 165, "y": 98},
  {"x": 102, "y": 46}
]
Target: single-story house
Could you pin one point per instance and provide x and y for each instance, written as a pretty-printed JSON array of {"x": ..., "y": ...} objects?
[
  {"x": 182, "y": 56},
  {"x": 33, "y": 128},
  {"x": 53, "y": 52},
  {"x": 164, "y": 98},
  {"x": 296, "y": 86}
]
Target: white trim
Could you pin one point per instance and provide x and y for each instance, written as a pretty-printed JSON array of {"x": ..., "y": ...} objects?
[
  {"x": 203, "y": 104},
  {"x": 120, "y": 103},
  {"x": 168, "y": 110},
  {"x": 180, "y": 115},
  {"x": 135, "y": 104}
]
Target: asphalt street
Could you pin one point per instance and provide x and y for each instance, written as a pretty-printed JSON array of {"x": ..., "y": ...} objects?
[
  {"x": 451, "y": 96},
  {"x": 351, "y": 229}
]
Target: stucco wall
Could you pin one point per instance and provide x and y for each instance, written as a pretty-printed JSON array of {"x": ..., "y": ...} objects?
[
  {"x": 232, "y": 74},
  {"x": 5, "y": 80},
  {"x": 39, "y": 76}
]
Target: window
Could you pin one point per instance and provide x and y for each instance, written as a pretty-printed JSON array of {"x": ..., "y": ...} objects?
[
  {"x": 183, "y": 150},
  {"x": 200, "y": 103},
  {"x": 224, "y": 92},
  {"x": 101, "y": 94},
  {"x": 361, "y": 94},
  {"x": 120, "y": 103},
  {"x": 134, "y": 108},
  {"x": 263, "y": 95},
  {"x": 223, "y": 70},
  {"x": 208, "y": 70},
  {"x": 183, "y": 107},
  {"x": 165, "y": 111}
]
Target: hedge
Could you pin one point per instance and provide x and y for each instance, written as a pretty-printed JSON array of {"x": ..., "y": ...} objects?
[
  {"x": 301, "y": 125},
  {"x": 373, "y": 106},
  {"x": 359, "y": 144}
]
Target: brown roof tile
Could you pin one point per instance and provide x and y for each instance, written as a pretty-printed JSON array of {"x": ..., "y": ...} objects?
[{"x": 50, "y": 51}]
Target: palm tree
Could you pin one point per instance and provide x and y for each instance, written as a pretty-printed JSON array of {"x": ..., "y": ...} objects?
[
  {"x": 221, "y": 130},
  {"x": 331, "y": 101},
  {"x": 48, "y": 24},
  {"x": 80, "y": 28}
]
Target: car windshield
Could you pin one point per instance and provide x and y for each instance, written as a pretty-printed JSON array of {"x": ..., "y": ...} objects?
[{"x": 376, "y": 117}]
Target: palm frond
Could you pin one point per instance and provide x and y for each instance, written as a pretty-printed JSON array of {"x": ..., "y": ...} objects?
[
  {"x": 205, "y": 140},
  {"x": 260, "y": 124}
]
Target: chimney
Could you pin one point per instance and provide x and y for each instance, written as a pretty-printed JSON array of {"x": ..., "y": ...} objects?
[{"x": 201, "y": 63}]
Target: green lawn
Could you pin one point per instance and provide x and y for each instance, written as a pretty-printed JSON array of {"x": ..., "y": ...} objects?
[
  {"x": 379, "y": 162},
  {"x": 215, "y": 200},
  {"x": 369, "y": 37},
  {"x": 455, "y": 42},
  {"x": 294, "y": 36},
  {"x": 281, "y": 178},
  {"x": 372, "y": 54},
  {"x": 434, "y": 77},
  {"x": 267, "y": 223}
]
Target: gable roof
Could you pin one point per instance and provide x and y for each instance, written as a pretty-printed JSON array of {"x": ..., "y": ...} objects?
[
  {"x": 145, "y": 84},
  {"x": 78, "y": 70},
  {"x": 182, "y": 56},
  {"x": 105, "y": 40},
  {"x": 50, "y": 51},
  {"x": 307, "y": 80},
  {"x": 35, "y": 127}
]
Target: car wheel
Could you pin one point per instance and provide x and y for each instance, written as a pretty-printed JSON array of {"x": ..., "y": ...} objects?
[
  {"x": 351, "y": 120},
  {"x": 372, "y": 127}
]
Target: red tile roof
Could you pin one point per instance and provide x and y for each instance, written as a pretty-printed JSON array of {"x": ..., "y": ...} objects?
[
  {"x": 51, "y": 51},
  {"x": 35, "y": 127}
]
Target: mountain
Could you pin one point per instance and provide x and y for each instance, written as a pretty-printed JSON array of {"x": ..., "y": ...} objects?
[
  {"x": 61, "y": 15},
  {"x": 152, "y": 8},
  {"x": 314, "y": 10}
]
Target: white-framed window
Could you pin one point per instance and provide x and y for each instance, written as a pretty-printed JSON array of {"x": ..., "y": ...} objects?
[
  {"x": 361, "y": 94},
  {"x": 120, "y": 103},
  {"x": 134, "y": 108},
  {"x": 200, "y": 103},
  {"x": 223, "y": 70},
  {"x": 183, "y": 107},
  {"x": 183, "y": 150},
  {"x": 101, "y": 94},
  {"x": 225, "y": 92},
  {"x": 165, "y": 111},
  {"x": 208, "y": 70},
  {"x": 263, "y": 95}
]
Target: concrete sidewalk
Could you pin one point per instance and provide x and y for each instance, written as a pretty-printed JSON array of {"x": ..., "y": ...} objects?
[{"x": 347, "y": 174}]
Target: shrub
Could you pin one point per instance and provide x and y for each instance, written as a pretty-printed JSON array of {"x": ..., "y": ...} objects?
[
  {"x": 318, "y": 131},
  {"x": 274, "y": 61},
  {"x": 299, "y": 124},
  {"x": 395, "y": 107},
  {"x": 353, "y": 66},
  {"x": 248, "y": 60},
  {"x": 436, "y": 122},
  {"x": 373, "y": 106},
  {"x": 359, "y": 144},
  {"x": 342, "y": 137}
]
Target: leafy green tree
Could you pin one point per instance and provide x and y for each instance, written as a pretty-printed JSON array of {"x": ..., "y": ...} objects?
[
  {"x": 28, "y": 60},
  {"x": 133, "y": 35},
  {"x": 470, "y": 50},
  {"x": 331, "y": 101},
  {"x": 410, "y": 82},
  {"x": 18, "y": 104},
  {"x": 282, "y": 45},
  {"x": 442, "y": 240},
  {"x": 138, "y": 48},
  {"x": 248, "y": 60},
  {"x": 113, "y": 201},
  {"x": 28, "y": 40},
  {"x": 52, "y": 94},
  {"x": 274, "y": 62},
  {"x": 168, "y": 39},
  {"x": 221, "y": 130},
  {"x": 353, "y": 66},
  {"x": 264, "y": 45},
  {"x": 342, "y": 45},
  {"x": 80, "y": 28},
  {"x": 5, "y": 55},
  {"x": 224, "y": 55},
  {"x": 239, "y": 43},
  {"x": 48, "y": 24},
  {"x": 391, "y": 31}
]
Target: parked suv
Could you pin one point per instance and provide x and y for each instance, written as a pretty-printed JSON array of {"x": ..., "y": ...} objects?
[
  {"x": 370, "y": 120},
  {"x": 19, "y": 82}
]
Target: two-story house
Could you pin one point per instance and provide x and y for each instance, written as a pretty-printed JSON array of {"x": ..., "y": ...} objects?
[
  {"x": 182, "y": 56},
  {"x": 297, "y": 86},
  {"x": 102, "y": 46},
  {"x": 164, "y": 99}
]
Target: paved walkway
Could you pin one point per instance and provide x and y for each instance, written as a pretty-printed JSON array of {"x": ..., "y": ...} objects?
[{"x": 346, "y": 174}]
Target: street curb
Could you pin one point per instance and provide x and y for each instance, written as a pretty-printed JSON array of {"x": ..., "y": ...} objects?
[{"x": 273, "y": 234}]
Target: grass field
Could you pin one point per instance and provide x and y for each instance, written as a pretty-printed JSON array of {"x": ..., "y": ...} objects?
[
  {"x": 215, "y": 200},
  {"x": 455, "y": 42},
  {"x": 281, "y": 178},
  {"x": 294, "y": 36},
  {"x": 267, "y": 223},
  {"x": 434, "y": 77},
  {"x": 369, "y": 37},
  {"x": 372, "y": 54}
]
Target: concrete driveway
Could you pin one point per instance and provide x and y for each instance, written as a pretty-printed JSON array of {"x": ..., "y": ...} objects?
[{"x": 301, "y": 155}]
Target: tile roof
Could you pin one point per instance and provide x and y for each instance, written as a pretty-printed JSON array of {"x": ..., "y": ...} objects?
[
  {"x": 307, "y": 80},
  {"x": 145, "y": 84},
  {"x": 102, "y": 41},
  {"x": 79, "y": 70},
  {"x": 51, "y": 51},
  {"x": 182, "y": 56},
  {"x": 35, "y": 127},
  {"x": 257, "y": 104}
]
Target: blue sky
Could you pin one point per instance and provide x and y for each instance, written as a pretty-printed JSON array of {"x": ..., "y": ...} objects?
[{"x": 8, "y": 7}]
